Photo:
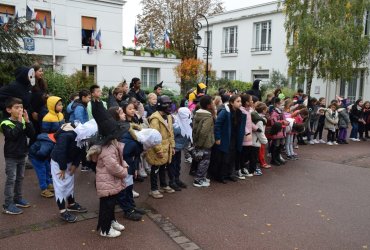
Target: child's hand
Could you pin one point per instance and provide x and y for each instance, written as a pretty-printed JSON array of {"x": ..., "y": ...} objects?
[
  {"x": 135, "y": 174},
  {"x": 20, "y": 115},
  {"x": 25, "y": 116},
  {"x": 218, "y": 142},
  {"x": 61, "y": 174},
  {"x": 72, "y": 169}
]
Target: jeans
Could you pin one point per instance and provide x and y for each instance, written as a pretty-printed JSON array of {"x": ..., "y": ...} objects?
[
  {"x": 14, "y": 170},
  {"x": 126, "y": 199},
  {"x": 354, "y": 131},
  {"x": 203, "y": 165},
  {"x": 174, "y": 168},
  {"x": 289, "y": 144},
  {"x": 42, "y": 169},
  {"x": 154, "y": 172}
]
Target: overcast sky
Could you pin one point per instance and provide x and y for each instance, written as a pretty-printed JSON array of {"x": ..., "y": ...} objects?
[{"x": 132, "y": 8}]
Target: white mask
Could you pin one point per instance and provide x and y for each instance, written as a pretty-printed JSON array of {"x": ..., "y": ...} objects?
[{"x": 31, "y": 77}]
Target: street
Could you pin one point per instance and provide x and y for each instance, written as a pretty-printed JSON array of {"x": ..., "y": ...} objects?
[{"x": 321, "y": 201}]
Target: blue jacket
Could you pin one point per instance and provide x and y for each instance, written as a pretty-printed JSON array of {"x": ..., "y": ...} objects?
[
  {"x": 131, "y": 152},
  {"x": 181, "y": 142},
  {"x": 65, "y": 150},
  {"x": 223, "y": 130},
  {"x": 41, "y": 149},
  {"x": 78, "y": 112}
]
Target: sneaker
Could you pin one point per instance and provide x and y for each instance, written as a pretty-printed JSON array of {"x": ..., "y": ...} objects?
[
  {"x": 296, "y": 147},
  {"x": 239, "y": 175},
  {"x": 68, "y": 217},
  {"x": 50, "y": 187},
  {"x": 140, "y": 210},
  {"x": 166, "y": 189},
  {"x": 135, "y": 194},
  {"x": 175, "y": 187},
  {"x": 311, "y": 142},
  {"x": 316, "y": 141},
  {"x": 207, "y": 180},
  {"x": 335, "y": 143},
  {"x": 200, "y": 183},
  {"x": 47, "y": 193},
  {"x": 22, "y": 203},
  {"x": 290, "y": 157},
  {"x": 322, "y": 141},
  {"x": 111, "y": 234},
  {"x": 353, "y": 139},
  {"x": 76, "y": 208},
  {"x": 84, "y": 168},
  {"x": 156, "y": 194},
  {"x": 12, "y": 209},
  {"x": 181, "y": 184},
  {"x": 246, "y": 172},
  {"x": 258, "y": 172},
  {"x": 358, "y": 139},
  {"x": 329, "y": 143},
  {"x": 142, "y": 173},
  {"x": 264, "y": 166},
  {"x": 116, "y": 226},
  {"x": 132, "y": 215}
]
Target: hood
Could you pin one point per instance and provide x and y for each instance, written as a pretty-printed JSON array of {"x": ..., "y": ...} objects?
[
  {"x": 51, "y": 103},
  {"x": 256, "y": 84},
  {"x": 23, "y": 75}
]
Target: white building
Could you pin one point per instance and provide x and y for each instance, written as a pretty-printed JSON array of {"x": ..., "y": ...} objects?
[
  {"x": 249, "y": 43},
  {"x": 75, "y": 20}
]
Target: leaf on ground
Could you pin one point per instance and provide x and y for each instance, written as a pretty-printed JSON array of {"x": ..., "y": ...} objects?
[
  {"x": 327, "y": 219},
  {"x": 323, "y": 215},
  {"x": 364, "y": 247},
  {"x": 245, "y": 215},
  {"x": 268, "y": 224},
  {"x": 320, "y": 211},
  {"x": 283, "y": 195},
  {"x": 142, "y": 220},
  {"x": 262, "y": 233},
  {"x": 84, "y": 244},
  {"x": 298, "y": 204},
  {"x": 93, "y": 230}
]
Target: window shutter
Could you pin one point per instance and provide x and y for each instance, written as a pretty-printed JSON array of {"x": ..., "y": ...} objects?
[
  {"x": 41, "y": 14},
  {"x": 7, "y": 9},
  {"x": 88, "y": 23}
]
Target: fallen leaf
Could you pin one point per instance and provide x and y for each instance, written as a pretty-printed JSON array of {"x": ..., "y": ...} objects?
[
  {"x": 327, "y": 219},
  {"x": 142, "y": 220},
  {"x": 93, "y": 230},
  {"x": 298, "y": 204},
  {"x": 262, "y": 233},
  {"x": 322, "y": 215},
  {"x": 268, "y": 224},
  {"x": 296, "y": 248},
  {"x": 83, "y": 244},
  {"x": 269, "y": 231},
  {"x": 283, "y": 195},
  {"x": 364, "y": 247},
  {"x": 320, "y": 211},
  {"x": 245, "y": 215}
]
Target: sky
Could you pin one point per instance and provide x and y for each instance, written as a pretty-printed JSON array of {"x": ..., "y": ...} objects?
[{"x": 132, "y": 8}]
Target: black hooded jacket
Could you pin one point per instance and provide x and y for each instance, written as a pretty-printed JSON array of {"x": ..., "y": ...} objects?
[
  {"x": 255, "y": 89},
  {"x": 20, "y": 88}
]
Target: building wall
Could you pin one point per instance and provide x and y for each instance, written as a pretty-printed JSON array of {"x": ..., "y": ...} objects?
[
  {"x": 111, "y": 65},
  {"x": 245, "y": 61}
]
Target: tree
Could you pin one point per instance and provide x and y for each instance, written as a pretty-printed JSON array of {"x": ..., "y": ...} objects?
[
  {"x": 190, "y": 71},
  {"x": 176, "y": 16},
  {"x": 278, "y": 79},
  {"x": 325, "y": 38},
  {"x": 11, "y": 57}
]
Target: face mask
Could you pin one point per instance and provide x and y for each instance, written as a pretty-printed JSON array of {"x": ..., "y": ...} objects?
[{"x": 31, "y": 77}]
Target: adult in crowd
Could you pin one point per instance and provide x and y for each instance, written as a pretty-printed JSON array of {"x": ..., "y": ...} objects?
[
  {"x": 255, "y": 90},
  {"x": 20, "y": 88},
  {"x": 158, "y": 89},
  {"x": 136, "y": 91}
]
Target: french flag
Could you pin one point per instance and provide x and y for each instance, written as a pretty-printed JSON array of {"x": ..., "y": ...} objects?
[
  {"x": 44, "y": 26},
  {"x": 136, "y": 36},
  {"x": 167, "y": 42}
]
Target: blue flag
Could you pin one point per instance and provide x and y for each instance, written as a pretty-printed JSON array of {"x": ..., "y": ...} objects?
[{"x": 29, "y": 13}]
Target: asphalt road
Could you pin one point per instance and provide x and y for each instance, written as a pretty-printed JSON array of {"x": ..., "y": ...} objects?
[{"x": 321, "y": 201}]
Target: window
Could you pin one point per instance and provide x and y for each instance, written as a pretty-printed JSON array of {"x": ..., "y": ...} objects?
[
  {"x": 352, "y": 89},
  {"x": 88, "y": 25},
  {"x": 367, "y": 23},
  {"x": 229, "y": 75},
  {"x": 230, "y": 40},
  {"x": 149, "y": 77},
  {"x": 43, "y": 23},
  {"x": 262, "y": 36},
  {"x": 6, "y": 12},
  {"x": 90, "y": 70},
  {"x": 208, "y": 36}
]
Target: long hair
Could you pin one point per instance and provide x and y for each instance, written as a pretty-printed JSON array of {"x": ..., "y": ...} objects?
[
  {"x": 40, "y": 84},
  {"x": 236, "y": 113}
]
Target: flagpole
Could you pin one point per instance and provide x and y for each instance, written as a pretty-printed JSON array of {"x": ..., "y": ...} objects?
[{"x": 52, "y": 23}]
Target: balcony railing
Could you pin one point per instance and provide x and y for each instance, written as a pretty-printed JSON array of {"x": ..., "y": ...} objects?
[
  {"x": 230, "y": 51},
  {"x": 262, "y": 48}
]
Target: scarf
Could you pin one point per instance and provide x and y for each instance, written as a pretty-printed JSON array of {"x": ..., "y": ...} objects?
[{"x": 183, "y": 121}]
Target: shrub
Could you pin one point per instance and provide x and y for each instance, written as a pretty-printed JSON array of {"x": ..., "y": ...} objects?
[{"x": 63, "y": 86}]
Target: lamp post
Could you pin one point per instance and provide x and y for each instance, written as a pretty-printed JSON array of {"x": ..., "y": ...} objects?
[{"x": 198, "y": 40}]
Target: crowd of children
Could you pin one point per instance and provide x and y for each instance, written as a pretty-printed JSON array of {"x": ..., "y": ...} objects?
[{"x": 225, "y": 138}]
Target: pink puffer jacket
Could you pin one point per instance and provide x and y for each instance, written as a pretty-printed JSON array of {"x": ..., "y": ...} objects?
[
  {"x": 111, "y": 170},
  {"x": 249, "y": 127},
  {"x": 277, "y": 116}
]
